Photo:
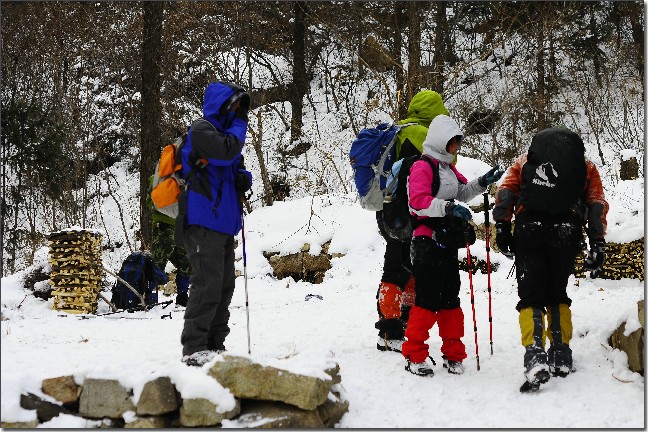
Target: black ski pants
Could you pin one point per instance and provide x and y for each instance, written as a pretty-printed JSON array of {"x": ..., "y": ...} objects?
[
  {"x": 436, "y": 271},
  {"x": 211, "y": 255},
  {"x": 545, "y": 251},
  {"x": 397, "y": 267}
]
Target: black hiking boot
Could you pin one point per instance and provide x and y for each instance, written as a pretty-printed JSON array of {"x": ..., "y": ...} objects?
[
  {"x": 454, "y": 367},
  {"x": 199, "y": 358},
  {"x": 536, "y": 370},
  {"x": 560, "y": 360},
  {"x": 421, "y": 369},
  {"x": 385, "y": 344}
]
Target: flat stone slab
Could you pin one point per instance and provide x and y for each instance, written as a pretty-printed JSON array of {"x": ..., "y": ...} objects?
[
  {"x": 201, "y": 412},
  {"x": 158, "y": 397},
  {"x": 277, "y": 415},
  {"x": 64, "y": 389},
  {"x": 104, "y": 398},
  {"x": 249, "y": 380}
]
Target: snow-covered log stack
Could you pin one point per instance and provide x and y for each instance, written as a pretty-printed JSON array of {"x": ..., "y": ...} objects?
[
  {"x": 75, "y": 259},
  {"x": 623, "y": 260}
]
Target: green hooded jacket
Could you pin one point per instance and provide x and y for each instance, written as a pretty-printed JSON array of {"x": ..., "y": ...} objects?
[{"x": 425, "y": 105}]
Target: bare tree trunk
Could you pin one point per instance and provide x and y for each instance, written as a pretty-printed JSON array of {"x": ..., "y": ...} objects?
[
  {"x": 396, "y": 55},
  {"x": 637, "y": 33},
  {"x": 541, "y": 92},
  {"x": 151, "y": 109},
  {"x": 3, "y": 204},
  {"x": 440, "y": 35},
  {"x": 15, "y": 225},
  {"x": 413, "y": 50},
  {"x": 257, "y": 140},
  {"x": 85, "y": 185},
  {"x": 300, "y": 80}
]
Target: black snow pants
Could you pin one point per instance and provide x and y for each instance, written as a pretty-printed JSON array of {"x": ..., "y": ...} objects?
[
  {"x": 545, "y": 251},
  {"x": 397, "y": 267},
  {"x": 211, "y": 255}
]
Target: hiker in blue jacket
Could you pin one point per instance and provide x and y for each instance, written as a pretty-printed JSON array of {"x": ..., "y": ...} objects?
[{"x": 212, "y": 165}]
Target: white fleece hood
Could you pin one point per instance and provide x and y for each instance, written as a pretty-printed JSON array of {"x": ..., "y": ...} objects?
[{"x": 441, "y": 130}]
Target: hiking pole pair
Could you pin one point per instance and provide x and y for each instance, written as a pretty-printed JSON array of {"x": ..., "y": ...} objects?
[
  {"x": 472, "y": 294},
  {"x": 488, "y": 268}
]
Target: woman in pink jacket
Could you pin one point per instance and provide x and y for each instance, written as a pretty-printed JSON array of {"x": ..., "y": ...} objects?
[{"x": 438, "y": 235}]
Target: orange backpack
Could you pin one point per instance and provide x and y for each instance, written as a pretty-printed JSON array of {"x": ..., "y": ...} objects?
[{"x": 167, "y": 180}]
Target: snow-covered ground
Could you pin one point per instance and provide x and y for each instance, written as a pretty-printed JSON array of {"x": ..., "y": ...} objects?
[{"x": 289, "y": 331}]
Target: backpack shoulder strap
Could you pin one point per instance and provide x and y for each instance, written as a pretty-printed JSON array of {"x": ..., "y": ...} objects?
[
  {"x": 179, "y": 142},
  {"x": 436, "y": 181}
]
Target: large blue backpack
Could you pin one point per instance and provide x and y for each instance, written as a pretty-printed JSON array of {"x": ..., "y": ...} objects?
[
  {"x": 141, "y": 272},
  {"x": 372, "y": 155}
]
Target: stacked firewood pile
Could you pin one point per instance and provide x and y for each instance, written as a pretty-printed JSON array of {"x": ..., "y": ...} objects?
[
  {"x": 623, "y": 260},
  {"x": 75, "y": 259}
]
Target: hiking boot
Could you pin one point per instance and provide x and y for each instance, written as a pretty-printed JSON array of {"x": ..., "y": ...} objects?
[
  {"x": 421, "y": 369},
  {"x": 560, "y": 360},
  {"x": 536, "y": 370},
  {"x": 454, "y": 367},
  {"x": 199, "y": 358},
  {"x": 182, "y": 299},
  {"x": 395, "y": 345}
]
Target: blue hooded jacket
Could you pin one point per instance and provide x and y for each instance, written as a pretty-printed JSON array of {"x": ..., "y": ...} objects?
[{"x": 211, "y": 159}]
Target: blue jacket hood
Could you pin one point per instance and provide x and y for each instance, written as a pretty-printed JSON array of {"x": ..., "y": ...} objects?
[{"x": 216, "y": 95}]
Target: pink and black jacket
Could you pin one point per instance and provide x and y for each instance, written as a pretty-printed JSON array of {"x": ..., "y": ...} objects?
[{"x": 453, "y": 185}]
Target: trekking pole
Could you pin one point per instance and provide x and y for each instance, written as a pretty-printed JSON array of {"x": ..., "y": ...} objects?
[
  {"x": 112, "y": 306},
  {"x": 129, "y": 286},
  {"x": 247, "y": 306},
  {"x": 488, "y": 268},
  {"x": 472, "y": 300}
]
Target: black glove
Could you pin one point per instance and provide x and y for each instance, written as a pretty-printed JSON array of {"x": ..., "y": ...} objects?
[
  {"x": 504, "y": 239},
  {"x": 458, "y": 211},
  {"x": 596, "y": 256},
  {"x": 243, "y": 100},
  {"x": 470, "y": 236},
  {"x": 242, "y": 113},
  {"x": 243, "y": 182},
  {"x": 240, "y": 101},
  {"x": 491, "y": 176}
]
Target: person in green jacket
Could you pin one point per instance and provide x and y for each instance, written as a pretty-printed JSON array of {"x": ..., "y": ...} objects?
[
  {"x": 396, "y": 290},
  {"x": 164, "y": 249}
]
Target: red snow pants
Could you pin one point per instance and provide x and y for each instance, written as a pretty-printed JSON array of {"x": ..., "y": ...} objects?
[
  {"x": 451, "y": 330},
  {"x": 437, "y": 282}
]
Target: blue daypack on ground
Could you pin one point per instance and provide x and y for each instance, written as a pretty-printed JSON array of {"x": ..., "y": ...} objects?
[
  {"x": 372, "y": 155},
  {"x": 141, "y": 272}
]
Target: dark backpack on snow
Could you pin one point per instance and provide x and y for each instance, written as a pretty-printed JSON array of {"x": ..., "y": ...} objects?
[
  {"x": 554, "y": 176},
  {"x": 141, "y": 272}
]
